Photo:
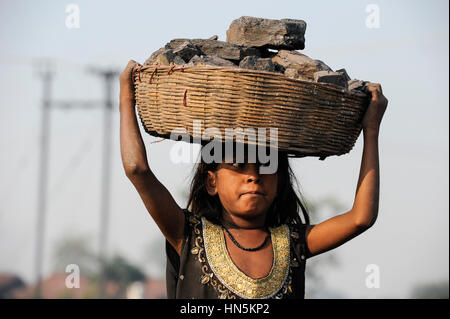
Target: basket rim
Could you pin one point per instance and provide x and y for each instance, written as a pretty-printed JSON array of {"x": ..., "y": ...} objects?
[{"x": 182, "y": 67}]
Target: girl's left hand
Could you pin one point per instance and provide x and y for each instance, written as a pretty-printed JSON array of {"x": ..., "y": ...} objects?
[{"x": 377, "y": 107}]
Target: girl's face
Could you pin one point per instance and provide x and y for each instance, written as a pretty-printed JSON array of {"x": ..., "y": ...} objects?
[{"x": 243, "y": 192}]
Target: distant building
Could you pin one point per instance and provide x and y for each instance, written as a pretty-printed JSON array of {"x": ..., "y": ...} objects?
[
  {"x": 10, "y": 285},
  {"x": 54, "y": 287},
  {"x": 155, "y": 289},
  {"x": 150, "y": 289}
]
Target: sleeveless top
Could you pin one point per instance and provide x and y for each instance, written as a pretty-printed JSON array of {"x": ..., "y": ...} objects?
[{"x": 204, "y": 269}]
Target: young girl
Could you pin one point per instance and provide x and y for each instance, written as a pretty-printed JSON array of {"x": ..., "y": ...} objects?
[{"x": 243, "y": 237}]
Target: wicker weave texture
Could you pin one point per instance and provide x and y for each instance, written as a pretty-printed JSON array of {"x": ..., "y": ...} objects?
[{"x": 313, "y": 119}]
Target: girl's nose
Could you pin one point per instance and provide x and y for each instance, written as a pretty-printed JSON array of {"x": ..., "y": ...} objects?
[{"x": 253, "y": 173}]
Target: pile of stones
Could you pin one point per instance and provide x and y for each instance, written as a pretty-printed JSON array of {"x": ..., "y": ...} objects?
[{"x": 256, "y": 44}]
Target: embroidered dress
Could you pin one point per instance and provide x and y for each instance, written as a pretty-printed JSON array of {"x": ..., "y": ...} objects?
[{"x": 205, "y": 270}]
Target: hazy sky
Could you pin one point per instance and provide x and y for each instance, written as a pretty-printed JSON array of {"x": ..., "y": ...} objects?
[{"x": 408, "y": 54}]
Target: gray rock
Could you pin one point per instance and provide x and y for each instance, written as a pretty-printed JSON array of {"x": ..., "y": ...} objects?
[
  {"x": 275, "y": 34},
  {"x": 225, "y": 50},
  {"x": 336, "y": 78},
  {"x": 295, "y": 74},
  {"x": 165, "y": 58},
  {"x": 256, "y": 63},
  {"x": 211, "y": 60},
  {"x": 214, "y": 37},
  {"x": 221, "y": 49},
  {"x": 305, "y": 66},
  {"x": 248, "y": 62},
  {"x": 322, "y": 65},
  {"x": 176, "y": 43},
  {"x": 178, "y": 60},
  {"x": 154, "y": 55},
  {"x": 356, "y": 85},
  {"x": 186, "y": 51},
  {"x": 344, "y": 73},
  {"x": 279, "y": 68}
]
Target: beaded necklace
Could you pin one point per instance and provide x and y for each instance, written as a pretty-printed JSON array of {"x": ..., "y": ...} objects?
[{"x": 244, "y": 248}]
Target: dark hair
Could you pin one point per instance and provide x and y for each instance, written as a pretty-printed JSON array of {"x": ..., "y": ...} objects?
[{"x": 284, "y": 208}]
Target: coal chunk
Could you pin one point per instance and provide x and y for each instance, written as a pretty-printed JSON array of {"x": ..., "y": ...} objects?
[
  {"x": 186, "y": 51},
  {"x": 356, "y": 84},
  {"x": 268, "y": 33},
  {"x": 305, "y": 66},
  {"x": 256, "y": 63},
  {"x": 211, "y": 60},
  {"x": 336, "y": 78},
  {"x": 220, "y": 49}
]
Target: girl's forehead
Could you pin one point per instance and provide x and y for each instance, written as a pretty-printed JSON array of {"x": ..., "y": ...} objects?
[
  {"x": 240, "y": 158},
  {"x": 238, "y": 153}
]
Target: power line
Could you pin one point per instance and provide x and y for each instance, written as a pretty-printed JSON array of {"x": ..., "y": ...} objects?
[
  {"x": 72, "y": 164},
  {"x": 45, "y": 71}
]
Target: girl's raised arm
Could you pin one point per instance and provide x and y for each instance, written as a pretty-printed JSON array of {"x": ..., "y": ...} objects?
[
  {"x": 159, "y": 202},
  {"x": 340, "y": 229}
]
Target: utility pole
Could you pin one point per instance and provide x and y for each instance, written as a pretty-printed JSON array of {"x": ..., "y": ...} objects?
[
  {"x": 108, "y": 76},
  {"x": 45, "y": 72}
]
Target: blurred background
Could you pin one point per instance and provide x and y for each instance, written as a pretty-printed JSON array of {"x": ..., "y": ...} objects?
[{"x": 67, "y": 210}]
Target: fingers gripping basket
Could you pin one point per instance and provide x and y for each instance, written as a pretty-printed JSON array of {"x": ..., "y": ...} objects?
[{"x": 313, "y": 119}]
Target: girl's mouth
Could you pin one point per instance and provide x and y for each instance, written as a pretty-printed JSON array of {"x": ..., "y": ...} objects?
[{"x": 253, "y": 194}]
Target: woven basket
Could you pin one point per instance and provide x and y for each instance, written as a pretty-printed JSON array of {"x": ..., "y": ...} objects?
[{"x": 313, "y": 119}]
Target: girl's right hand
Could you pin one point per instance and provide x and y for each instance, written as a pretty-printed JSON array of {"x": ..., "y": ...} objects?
[
  {"x": 378, "y": 104},
  {"x": 126, "y": 83}
]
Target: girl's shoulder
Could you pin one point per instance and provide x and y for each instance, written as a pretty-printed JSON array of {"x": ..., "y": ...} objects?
[
  {"x": 192, "y": 224},
  {"x": 297, "y": 227},
  {"x": 298, "y": 238},
  {"x": 190, "y": 217}
]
